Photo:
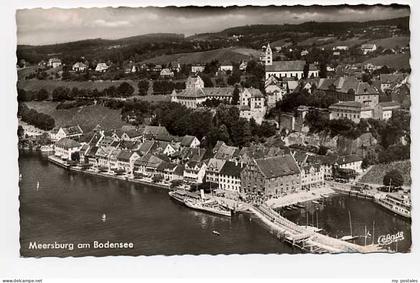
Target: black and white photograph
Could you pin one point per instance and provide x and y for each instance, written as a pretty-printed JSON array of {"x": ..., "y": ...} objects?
[{"x": 188, "y": 130}]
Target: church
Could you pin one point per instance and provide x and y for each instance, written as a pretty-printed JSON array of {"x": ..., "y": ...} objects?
[{"x": 287, "y": 69}]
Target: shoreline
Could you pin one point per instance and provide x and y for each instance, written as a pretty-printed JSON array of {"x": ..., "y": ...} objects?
[{"x": 59, "y": 163}]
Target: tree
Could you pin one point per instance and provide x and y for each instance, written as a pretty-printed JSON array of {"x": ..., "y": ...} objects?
[
  {"x": 75, "y": 156},
  {"x": 20, "y": 131},
  {"x": 143, "y": 86},
  {"x": 235, "y": 96},
  {"x": 393, "y": 178},
  {"x": 125, "y": 89}
]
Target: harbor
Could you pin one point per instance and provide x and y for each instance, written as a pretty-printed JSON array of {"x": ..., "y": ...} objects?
[{"x": 320, "y": 223}]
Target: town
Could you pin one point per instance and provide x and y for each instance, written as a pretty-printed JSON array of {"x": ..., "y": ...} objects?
[{"x": 282, "y": 125}]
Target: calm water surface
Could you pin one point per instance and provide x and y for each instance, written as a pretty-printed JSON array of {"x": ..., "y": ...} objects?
[{"x": 68, "y": 206}]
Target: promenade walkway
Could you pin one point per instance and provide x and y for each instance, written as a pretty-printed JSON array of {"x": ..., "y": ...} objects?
[{"x": 304, "y": 238}]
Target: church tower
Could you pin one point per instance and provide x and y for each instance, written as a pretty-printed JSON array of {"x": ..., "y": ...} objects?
[{"x": 268, "y": 55}]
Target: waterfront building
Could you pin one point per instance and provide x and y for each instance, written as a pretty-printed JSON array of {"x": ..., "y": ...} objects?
[
  {"x": 91, "y": 157},
  {"x": 214, "y": 166},
  {"x": 168, "y": 171},
  {"x": 113, "y": 160},
  {"x": 103, "y": 154},
  {"x": 312, "y": 175},
  {"x": 272, "y": 176},
  {"x": 65, "y": 147},
  {"x": 147, "y": 165},
  {"x": 72, "y": 132},
  {"x": 230, "y": 176},
  {"x": 83, "y": 150},
  {"x": 126, "y": 159},
  {"x": 194, "y": 172},
  {"x": 353, "y": 162}
]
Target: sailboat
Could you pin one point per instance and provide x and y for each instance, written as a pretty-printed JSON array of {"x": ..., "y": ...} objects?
[
  {"x": 20, "y": 177},
  {"x": 37, "y": 185},
  {"x": 103, "y": 217},
  {"x": 349, "y": 237}
]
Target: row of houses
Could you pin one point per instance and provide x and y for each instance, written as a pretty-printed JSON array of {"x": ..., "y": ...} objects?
[{"x": 257, "y": 169}]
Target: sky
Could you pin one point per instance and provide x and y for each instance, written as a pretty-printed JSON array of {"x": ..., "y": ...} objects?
[{"x": 48, "y": 26}]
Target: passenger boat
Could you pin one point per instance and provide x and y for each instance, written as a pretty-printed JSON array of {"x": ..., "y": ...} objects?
[
  {"x": 182, "y": 195},
  {"x": 399, "y": 204},
  {"x": 211, "y": 206}
]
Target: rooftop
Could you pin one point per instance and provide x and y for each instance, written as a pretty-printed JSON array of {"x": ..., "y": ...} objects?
[{"x": 278, "y": 166}]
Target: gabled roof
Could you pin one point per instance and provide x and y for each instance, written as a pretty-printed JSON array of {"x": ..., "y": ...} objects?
[
  {"x": 67, "y": 143},
  {"x": 125, "y": 155},
  {"x": 156, "y": 132},
  {"x": 215, "y": 164},
  {"x": 103, "y": 151},
  {"x": 146, "y": 147},
  {"x": 92, "y": 151},
  {"x": 348, "y": 159},
  {"x": 285, "y": 66},
  {"x": 352, "y": 104},
  {"x": 187, "y": 140},
  {"x": 277, "y": 166},
  {"x": 389, "y": 104},
  {"x": 72, "y": 130},
  {"x": 227, "y": 152},
  {"x": 231, "y": 169},
  {"x": 256, "y": 93}
]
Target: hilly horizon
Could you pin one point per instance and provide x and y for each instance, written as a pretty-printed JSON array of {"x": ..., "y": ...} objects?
[{"x": 229, "y": 31}]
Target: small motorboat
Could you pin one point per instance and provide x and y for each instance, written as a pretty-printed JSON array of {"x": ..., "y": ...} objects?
[
  {"x": 316, "y": 202},
  {"x": 103, "y": 217},
  {"x": 299, "y": 205},
  {"x": 216, "y": 233},
  {"x": 349, "y": 238}
]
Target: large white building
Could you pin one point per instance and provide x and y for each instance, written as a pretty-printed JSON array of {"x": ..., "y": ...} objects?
[
  {"x": 252, "y": 104},
  {"x": 195, "y": 93},
  {"x": 287, "y": 69}
]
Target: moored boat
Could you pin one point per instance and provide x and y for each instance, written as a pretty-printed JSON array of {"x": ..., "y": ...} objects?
[
  {"x": 398, "y": 204},
  {"x": 208, "y": 206}
]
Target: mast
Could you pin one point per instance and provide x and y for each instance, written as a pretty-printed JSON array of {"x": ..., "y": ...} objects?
[
  {"x": 373, "y": 233},
  {"x": 365, "y": 235}
]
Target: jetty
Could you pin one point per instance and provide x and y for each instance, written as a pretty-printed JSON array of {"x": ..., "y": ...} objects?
[{"x": 305, "y": 238}]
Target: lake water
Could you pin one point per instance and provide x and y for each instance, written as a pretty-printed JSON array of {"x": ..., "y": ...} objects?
[{"x": 68, "y": 206}]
